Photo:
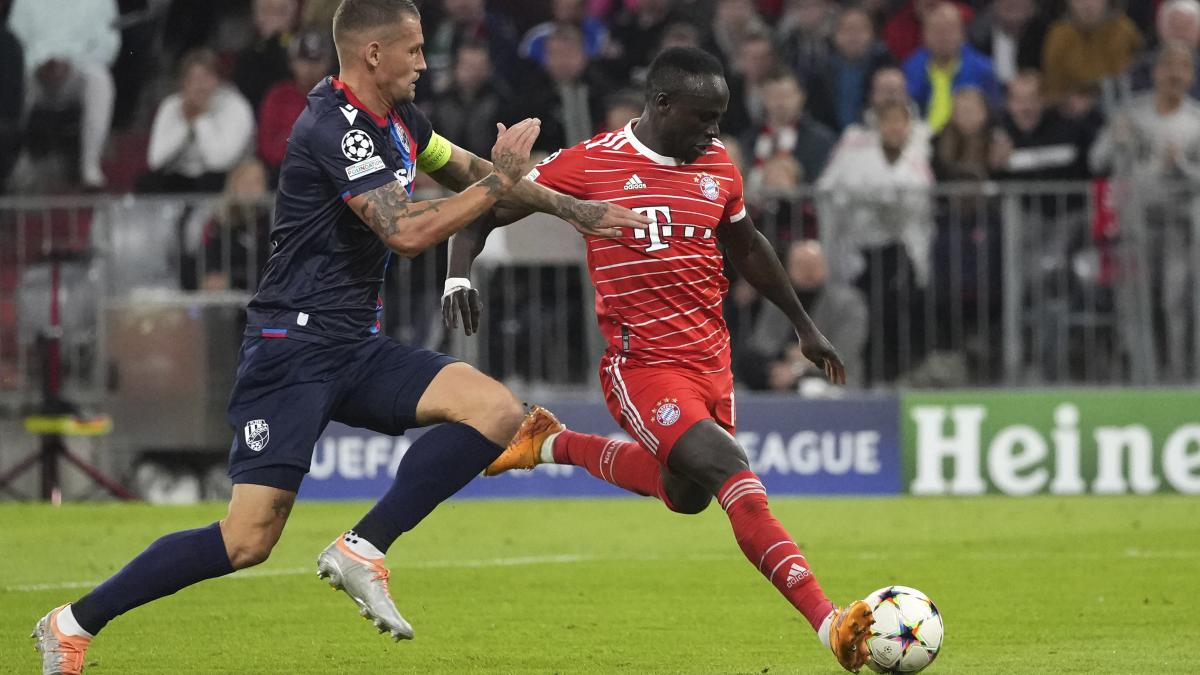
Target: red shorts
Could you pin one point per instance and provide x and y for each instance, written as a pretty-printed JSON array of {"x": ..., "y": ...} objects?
[{"x": 656, "y": 404}]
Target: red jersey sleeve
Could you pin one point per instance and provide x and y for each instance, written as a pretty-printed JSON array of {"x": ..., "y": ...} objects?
[
  {"x": 735, "y": 207},
  {"x": 562, "y": 171}
]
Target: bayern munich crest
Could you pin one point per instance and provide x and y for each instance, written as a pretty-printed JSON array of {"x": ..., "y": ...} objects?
[
  {"x": 357, "y": 145},
  {"x": 666, "y": 412},
  {"x": 709, "y": 187}
]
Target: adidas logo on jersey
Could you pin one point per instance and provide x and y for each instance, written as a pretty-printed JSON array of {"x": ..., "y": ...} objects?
[
  {"x": 634, "y": 183},
  {"x": 796, "y": 574}
]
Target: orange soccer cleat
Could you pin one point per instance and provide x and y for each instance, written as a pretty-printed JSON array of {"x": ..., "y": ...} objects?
[
  {"x": 848, "y": 635},
  {"x": 524, "y": 451}
]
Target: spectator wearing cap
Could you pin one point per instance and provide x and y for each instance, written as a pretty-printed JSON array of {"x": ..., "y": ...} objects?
[
  {"x": 200, "y": 132},
  {"x": 468, "y": 110},
  {"x": 310, "y": 57},
  {"x": 69, "y": 47},
  {"x": 567, "y": 13},
  {"x": 946, "y": 64},
  {"x": 259, "y": 66},
  {"x": 1178, "y": 23},
  {"x": 1092, "y": 43}
]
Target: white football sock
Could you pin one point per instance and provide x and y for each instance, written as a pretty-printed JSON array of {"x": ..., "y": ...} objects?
[
  {"x": 69, "y": 626},
  {"x": 546, "y": 454},
  {"x": 361, "y": 546},
  {"x": 823, "y": 631}
]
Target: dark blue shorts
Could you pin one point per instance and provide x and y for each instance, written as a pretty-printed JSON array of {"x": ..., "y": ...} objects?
[{"x": 287, "y": 390}]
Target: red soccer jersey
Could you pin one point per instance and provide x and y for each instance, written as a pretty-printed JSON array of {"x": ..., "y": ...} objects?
[{"x": 659, "y": 289}]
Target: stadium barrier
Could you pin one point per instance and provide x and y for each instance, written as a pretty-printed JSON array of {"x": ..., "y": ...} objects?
[{"x": 1008, "y": 284}]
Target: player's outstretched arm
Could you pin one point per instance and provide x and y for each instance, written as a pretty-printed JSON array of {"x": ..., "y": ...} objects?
[
  {"x": 751, "y": 254},
  {"x": 589, "y": 217},
  {"x": 409, "y": 228}
]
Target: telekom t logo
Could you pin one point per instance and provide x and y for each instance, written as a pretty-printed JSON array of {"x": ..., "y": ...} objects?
[{"x": 659, "y": 228}]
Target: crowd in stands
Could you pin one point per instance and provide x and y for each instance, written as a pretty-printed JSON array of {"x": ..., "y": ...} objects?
[{"x": 875, "y": 101}]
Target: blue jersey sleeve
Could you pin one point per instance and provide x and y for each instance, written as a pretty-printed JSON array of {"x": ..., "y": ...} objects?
[{"x": 351, "y": 153}]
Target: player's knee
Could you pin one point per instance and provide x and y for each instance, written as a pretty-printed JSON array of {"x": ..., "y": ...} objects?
[
  {"x": 690, "y": 504},
  {"x": 249, "y": 546},
  {"x": 500, "y": 413}
]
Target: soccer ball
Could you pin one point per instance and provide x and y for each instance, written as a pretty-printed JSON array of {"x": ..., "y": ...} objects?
[{"x": 907, "y": 633}]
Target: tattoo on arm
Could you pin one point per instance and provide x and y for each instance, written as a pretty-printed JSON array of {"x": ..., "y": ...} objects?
[
  {"x": 386, "y": 206},
  {"x": 493, "y": 184},
  {"x": 282, "y": 507},
  {"x": 458, "y": 176}
]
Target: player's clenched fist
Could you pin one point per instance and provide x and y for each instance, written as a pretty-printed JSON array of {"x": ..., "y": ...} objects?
[{"x": 511, "y": 152}]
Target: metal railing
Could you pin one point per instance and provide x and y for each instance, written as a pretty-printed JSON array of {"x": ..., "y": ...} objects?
[{"x": 1001, "y": 284}]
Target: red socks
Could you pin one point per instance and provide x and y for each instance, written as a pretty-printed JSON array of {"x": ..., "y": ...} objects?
[
  {"x": 768, "y": 545},
  {"x": 626, "y": 465},
  {"x": 762, "y": 538}
]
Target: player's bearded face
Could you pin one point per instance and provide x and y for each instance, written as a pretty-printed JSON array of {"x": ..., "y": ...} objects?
[{"x": 401, "y": 61}]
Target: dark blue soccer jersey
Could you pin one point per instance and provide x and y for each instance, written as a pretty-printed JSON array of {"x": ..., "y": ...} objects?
[{"x": 325, "y": 274}]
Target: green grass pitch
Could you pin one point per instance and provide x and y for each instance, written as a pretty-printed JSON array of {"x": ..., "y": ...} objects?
[{"x": 1039, "y": 585}]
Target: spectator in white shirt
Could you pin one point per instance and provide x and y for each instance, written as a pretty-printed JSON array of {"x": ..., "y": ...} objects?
[
  {"x": 69, "y": 46},
  {"x": 199, "y": 133},
  {"x": 875, "y": 211}
]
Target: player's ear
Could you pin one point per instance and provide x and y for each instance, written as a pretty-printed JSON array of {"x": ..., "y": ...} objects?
[
  {"x": 662, "y": 101},
  {"x": 371, "y": 53}
]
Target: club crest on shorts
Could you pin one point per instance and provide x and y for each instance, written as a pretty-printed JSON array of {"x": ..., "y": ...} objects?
[
  {"x": 258, "y": 434},
  {"x": 709, "y": 187},
  {"x": 666, "y": 412}
]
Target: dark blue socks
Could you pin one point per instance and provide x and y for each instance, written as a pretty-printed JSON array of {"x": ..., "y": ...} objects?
[
  {"x": 174, "y": 562},
  {"x": 439, "y": 464}
]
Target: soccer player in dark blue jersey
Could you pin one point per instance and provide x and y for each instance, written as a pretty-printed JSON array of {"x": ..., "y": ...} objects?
[{"x": 312, "y": 351}]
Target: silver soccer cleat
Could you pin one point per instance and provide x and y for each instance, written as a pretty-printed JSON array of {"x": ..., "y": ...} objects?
[
  {"x": 366, "y": 582},
  {"x": 61, "y": 654}
]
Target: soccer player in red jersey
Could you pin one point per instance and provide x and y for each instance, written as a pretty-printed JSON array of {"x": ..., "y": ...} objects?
[{"x": 666, "y": 372}]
